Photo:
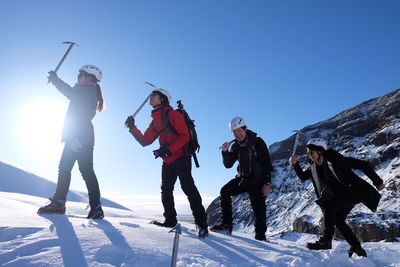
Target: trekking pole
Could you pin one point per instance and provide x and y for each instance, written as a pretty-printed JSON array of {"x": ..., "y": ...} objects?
[
  {"x": 178, "y": 230},
  {"x": 296, "y": 142},
  {"x": 71, "y": 44}
]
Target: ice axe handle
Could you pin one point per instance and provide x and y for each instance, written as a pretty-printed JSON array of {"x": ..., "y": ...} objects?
[
  {"x": 64, "y": 57},
  {"x": 141, "y": 106}
]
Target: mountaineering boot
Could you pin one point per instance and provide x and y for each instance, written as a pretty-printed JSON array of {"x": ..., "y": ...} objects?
[
  {"x": 166, "y": 223},
  {"x": 261, "y": 237},
  {"x": 54, "y": 207},
  {"x": 202, "y": 231},
  {"x": 96, "y": 212},
  {"x": 322, "y": 243},
  {"x": 222, "y": 228},
  {"x": 358, "y": 250}
]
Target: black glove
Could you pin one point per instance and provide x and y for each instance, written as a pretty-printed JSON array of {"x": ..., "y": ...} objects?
[
  {"x": 162, "y": 152},
  {"x": 52, "y": 76},
  {"x": 130, "y": 122}
]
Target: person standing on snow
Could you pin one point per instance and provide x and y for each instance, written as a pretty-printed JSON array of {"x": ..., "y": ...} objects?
[
  {"x": 170, "y": 128},
  {"x": 254, "y": 176},
  {"x": 338, "y": 190},
  {"x": 78, "y": 135}
]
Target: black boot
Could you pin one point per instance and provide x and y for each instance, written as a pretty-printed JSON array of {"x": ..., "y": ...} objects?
[
  {"x": 55, "y": 207},
  {"x": 322, "y": 243},
  {"x": 166, "y": 223},
  {"x": 222, "y": 228},
  {"x": 96, "y": 212},
  {"x": 202, "y": 231},
  {"x": 358, "y": 250}
]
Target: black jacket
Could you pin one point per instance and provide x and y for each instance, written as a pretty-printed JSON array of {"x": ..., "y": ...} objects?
[
  {"x": 341, "y": 167},
  {"x": 254, "y": 161}
]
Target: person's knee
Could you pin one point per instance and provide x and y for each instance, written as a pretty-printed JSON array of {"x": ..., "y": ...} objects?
[{"x": 87, "y": 173}]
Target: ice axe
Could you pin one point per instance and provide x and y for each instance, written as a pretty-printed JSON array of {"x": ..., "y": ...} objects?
[
  {"x": 296, "y": 142},
  {"x": 178, "y": 230},
  {"x": 144, "y": 102},
  {"x": 71, "y": 44}
]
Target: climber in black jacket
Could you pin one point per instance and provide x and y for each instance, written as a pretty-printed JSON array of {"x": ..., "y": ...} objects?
[
  {"x": 338, "y": 190},
  {"x": 254, "y": 176}
]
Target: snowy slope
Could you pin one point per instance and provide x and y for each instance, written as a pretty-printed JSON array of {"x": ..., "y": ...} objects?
[
  {"x": 122, "y": 239},
  {"x": 13, "y": 179}
]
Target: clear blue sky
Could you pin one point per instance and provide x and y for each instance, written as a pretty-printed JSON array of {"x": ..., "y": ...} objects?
[{"x": 281, "y": 65}]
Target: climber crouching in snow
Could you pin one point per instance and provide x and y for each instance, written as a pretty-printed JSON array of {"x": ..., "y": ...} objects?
[
  {"x": 170, "y": 128},
  {"x": 338, "y": 190}
]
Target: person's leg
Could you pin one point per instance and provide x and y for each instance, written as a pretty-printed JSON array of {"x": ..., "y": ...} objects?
[
  {"x": 168, "y": 179},
  {"x": 355, "y": 245},
  {"x": 85, "y": 162},
  {"x": 257, "y": 201},
  {"x": 325, "y": 241},
  {"x": 57, "y": 204},
  {"x": 230, "y": 189},
  {"x": 65, "y": 166},
  {"x": 183, "y": 168}
]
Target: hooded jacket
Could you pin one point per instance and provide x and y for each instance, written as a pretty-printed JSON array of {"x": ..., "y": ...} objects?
[
  {"x": 158, "y": 128},
  {"x": 341, "y": 168},
  {"x": 81, "y": 110},
  {"x": 253, "y": 156}
]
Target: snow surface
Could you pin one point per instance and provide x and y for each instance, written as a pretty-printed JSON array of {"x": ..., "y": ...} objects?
[{"x": 123, "y": 239}]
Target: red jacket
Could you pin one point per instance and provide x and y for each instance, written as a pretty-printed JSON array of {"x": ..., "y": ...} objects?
[{"x": 175, "y": 141}]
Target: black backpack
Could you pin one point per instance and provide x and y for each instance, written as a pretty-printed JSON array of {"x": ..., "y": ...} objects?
[{"x": 193, "y": 146}]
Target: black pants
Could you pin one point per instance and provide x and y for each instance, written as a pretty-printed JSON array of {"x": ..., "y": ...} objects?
[
  {"x": 335, "y": 213},
  {"x": 182, "y": 167},
  {"x": 257, "y": 200},
  {"x": 85, "y": 161}
]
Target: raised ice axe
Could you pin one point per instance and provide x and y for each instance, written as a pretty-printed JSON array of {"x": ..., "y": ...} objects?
[
  {"x": 296, "y": 142},
  {"x": 71, "y": 44}
]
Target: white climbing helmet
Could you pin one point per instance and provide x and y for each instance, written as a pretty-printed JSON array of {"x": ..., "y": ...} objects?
[
  {"x": 163, "y": 92},
  {"x": 318, "y": 142},
  {"x": 94, "y": 70},
  {"x": 236, "y": 123}
]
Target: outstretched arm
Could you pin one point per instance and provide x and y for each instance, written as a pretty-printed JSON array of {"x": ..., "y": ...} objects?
[
  {"x": 367, "y": 169},
  {"x": 61, "y": 86}
]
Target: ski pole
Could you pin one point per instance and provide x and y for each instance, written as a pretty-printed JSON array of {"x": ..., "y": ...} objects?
[{"x": 178, "y": 230}]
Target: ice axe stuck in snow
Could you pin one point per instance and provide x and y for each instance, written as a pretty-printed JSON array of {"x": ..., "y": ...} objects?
[
  {"x": 71, "y": 44},
  {"x": 177, "y": 230}
]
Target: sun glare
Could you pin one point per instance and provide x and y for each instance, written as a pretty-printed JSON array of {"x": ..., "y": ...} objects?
[{"x": 40, "y": 127}]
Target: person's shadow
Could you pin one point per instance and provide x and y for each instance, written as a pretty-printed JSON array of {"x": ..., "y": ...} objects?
[
  {"x": 70, "y": 247},
  {"x": 120, "y": 252}
]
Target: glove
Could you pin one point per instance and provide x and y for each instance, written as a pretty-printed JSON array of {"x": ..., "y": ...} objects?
[
  {"x": 162, "y": 152},
  {"x": 52, "y": 76},
  {"x": 130, "y": 122}
]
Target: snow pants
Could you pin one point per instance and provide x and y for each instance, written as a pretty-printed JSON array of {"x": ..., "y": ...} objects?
[
  {"x": 233, "y": 188},
  {"x": 335, "y": 213},
  {"x": 85, "y": 161},
  {"x": 181, "y": 168}
]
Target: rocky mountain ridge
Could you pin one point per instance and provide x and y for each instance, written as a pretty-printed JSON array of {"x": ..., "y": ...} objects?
[{"x": 369, "y": 131}]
